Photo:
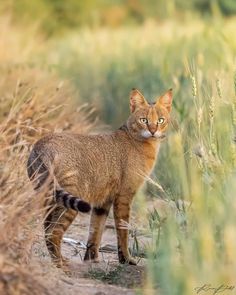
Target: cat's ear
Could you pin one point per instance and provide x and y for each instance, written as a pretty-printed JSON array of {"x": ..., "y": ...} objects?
[
  {"x": 137, "y": 100},
  {"x": 165, "y": 100}
]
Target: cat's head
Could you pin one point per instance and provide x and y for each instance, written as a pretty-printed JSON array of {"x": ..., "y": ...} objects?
[{"x": 149, "y": 121}]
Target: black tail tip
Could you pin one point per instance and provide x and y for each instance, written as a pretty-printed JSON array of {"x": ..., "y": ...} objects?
[{"x": 84, "y": 207}]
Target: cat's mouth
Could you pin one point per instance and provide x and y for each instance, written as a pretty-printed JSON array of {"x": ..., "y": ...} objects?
[
  {"x": 161, "y": 136},
  {"x": 157, "y": 135}
]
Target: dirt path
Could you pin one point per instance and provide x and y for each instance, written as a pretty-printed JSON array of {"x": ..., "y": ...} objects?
[{"x": 106, "y": 277}]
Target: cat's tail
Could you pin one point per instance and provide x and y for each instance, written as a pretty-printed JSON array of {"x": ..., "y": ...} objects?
[
  {"x": 39, "y": 174},
  {"x": 71, "y": 202}
]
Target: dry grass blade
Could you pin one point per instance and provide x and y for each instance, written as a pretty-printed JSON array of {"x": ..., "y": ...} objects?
[{"x": 33, "y": 108}]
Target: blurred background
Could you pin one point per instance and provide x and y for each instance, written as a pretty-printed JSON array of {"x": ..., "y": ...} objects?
[
  {"x": 105, "y": 48},
  {"x": 58, "y": 16},
  {"x": 102, "y": 49}
]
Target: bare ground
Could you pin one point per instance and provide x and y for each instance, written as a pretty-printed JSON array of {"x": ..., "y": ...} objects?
[{"x": 105, "y": 277}]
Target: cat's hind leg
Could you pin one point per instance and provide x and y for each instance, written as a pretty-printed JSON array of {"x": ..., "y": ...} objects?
[
  {"x": 56, "y": 222},
  {"x": 97, "y": 222}
]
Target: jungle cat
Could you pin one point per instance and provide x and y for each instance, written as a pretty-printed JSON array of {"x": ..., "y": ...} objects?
[{"x": 99, "y": 171}]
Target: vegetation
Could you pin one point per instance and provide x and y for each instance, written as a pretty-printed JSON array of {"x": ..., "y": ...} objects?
[
  {"x": 58, "y": 16},
  {"x": 197, "y": 162}
]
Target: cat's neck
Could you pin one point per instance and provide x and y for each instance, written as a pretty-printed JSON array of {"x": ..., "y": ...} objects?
[{"x": 149, "y": 147}]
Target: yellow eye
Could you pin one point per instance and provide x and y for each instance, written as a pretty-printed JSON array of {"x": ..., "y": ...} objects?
[
  {"x": 143, "y": 120},
  {"x": 161, "y": 121}
]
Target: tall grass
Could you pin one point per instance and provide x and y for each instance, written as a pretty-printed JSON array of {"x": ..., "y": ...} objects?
[
  {"x": 32, "y": 102},
  {"x": 196, "y": 163},
  {"x": 201, "y": 160},
  {"x": 105, "y": 64}
]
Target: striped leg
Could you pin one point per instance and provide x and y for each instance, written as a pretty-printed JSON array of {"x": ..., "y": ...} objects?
[
  {"x": 56, "y": 222},
  {"x": 97, "y": 222}
]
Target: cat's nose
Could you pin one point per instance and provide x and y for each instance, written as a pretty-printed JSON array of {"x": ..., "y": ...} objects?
[{"x": 152, "y": 129}]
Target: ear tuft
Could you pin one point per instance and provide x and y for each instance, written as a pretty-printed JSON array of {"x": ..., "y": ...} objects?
[{"x": 137, "y": 100}]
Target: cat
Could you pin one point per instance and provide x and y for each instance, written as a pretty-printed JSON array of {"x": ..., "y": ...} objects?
[{"x": 98, "y": 171}]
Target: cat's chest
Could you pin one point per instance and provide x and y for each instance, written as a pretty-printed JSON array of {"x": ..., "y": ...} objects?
[
  {"x": 140, "y": 167},
  {"x": 150, "y": 159}
]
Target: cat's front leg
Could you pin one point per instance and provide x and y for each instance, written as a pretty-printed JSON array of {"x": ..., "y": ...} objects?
[{"x": 121, "y": 209}]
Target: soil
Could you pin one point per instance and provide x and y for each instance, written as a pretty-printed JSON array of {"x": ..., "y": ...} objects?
[{"x": 107, "y": 277}]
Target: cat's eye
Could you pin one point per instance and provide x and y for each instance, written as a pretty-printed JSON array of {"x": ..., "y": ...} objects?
[
  {"x": 161, "y": 121},
  {"x": 143, "y": 120}
]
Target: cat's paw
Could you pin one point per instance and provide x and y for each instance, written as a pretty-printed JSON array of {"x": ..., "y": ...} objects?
[
  {"x": 91, "y": 255},
  {"x": 90, "y": 260},
  {"x": 129, "y": 260},
  {"x": 62, "y": 263}
]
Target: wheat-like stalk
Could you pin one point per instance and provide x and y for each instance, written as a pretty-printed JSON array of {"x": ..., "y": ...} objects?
[
  {"x": 218, "y": 88},
  {"x": 194, "y": 86}
]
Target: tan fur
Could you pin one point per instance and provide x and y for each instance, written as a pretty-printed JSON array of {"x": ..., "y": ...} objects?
[{"x": 102, "y": 170}]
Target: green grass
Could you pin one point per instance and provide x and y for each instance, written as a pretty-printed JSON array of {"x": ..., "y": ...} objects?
[
  {"x": 109, "y": 277},
  {"x": 106, "y": 64},
  {"x": 197, "y": 161},
  {"x": 125, "y": 276}
]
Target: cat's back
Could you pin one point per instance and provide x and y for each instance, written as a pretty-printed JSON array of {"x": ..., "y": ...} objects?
[
  {"x": 79, "y": 148},
  {"x": 62, "y": 140},
  {"x": 88, "y": 165}
]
